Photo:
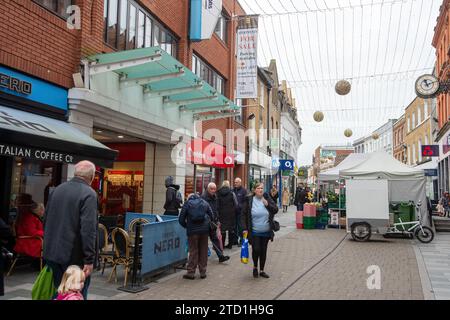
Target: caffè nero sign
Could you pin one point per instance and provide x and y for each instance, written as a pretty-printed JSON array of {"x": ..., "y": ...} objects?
[
  {"x": 15, "y": 84},
  {"x": 35, "y": 154}
]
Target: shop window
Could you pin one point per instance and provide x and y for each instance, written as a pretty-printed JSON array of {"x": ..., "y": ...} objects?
[
  {"x": 123, "y": 25},
  {"x": 35, "y": 178},
  {"x": 141, "y": 29},
  {"x": 221, "y": 28},
  {"x": 148, "y": 32},
  {"x": 204, "y": 71},
  {"x": 130, "y": 26},
  {"x": 57, "y": 6},
  {"x": 112, "y": 18}
]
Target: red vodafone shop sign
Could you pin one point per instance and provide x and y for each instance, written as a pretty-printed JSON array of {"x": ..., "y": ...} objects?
[{"x": 204, "y": 152}]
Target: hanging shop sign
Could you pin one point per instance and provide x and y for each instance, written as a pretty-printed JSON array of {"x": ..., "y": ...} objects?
[
  {"x": 204, "y": 152},
  {"x": 247, "y": 64},
  {"x": 286, "y": 165},
  {"x": 204, "y": 17},
  {"x": 430, "y": 151}
]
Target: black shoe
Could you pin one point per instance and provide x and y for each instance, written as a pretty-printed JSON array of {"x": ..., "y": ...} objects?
[
  {"x": 189, "y": 276},
  {"x": 229, "y": 246},
  {"x": 223, "y": 258},
  {"x": 255, "y": 273},
  {"x": 203, "y": 276},
  {"x": 264, "y": 275}
]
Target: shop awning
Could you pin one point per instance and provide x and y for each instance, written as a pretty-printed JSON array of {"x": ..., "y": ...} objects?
[
  {"x": 163, "y": 76},
  {"x": 23, "y": 134}
]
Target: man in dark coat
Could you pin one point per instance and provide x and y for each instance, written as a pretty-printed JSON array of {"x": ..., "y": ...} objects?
[
  {"x": 227, "y": 205},
  {"x": 70, "y": 225},
  {"x": 173, "y": 203},
  {"x": 241, "y": 194},
  {"x": 195, "y": 216},
  {"x": 300, "y": 197},
  {"x": 210, "y": 196}
]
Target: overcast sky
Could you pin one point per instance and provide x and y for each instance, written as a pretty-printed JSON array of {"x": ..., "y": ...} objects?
[{"x": 380, "y": 46}]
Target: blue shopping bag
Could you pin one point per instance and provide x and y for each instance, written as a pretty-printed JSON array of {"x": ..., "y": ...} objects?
[{"x": 244, "y": 249}]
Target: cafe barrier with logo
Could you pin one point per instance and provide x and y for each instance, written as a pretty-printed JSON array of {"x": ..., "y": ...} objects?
[{"x": 163, "y": 243}]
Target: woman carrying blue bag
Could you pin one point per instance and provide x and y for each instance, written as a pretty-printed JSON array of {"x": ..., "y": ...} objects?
[{"x": 258, "y": 220}]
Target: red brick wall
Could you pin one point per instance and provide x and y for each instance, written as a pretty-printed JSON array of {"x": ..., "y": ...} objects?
[{"x": 37, "y": 42}]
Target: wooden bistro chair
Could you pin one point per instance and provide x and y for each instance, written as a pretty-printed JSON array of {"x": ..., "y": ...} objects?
[
  {"x": 106, "y": 254},
  {"x": 122, "y": 253}
]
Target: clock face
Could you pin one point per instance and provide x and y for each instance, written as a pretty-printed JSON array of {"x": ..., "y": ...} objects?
[{"x": 427, "y": 86}]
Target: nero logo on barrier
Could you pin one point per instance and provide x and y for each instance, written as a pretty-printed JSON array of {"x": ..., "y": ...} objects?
[{"x": 166, "y": 245}]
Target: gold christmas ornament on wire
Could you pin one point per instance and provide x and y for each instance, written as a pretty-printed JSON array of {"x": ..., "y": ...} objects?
[
  {"x": 348, "y": 133},
  {"x": 318, "y": 116},
  {"x": 375, "y": 136},
  {"x": 343, "y": 87}
]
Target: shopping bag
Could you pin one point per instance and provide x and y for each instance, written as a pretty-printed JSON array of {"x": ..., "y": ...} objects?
[
  {"x": 43, "y": 288},
  {"x": 244, "y": 249}
]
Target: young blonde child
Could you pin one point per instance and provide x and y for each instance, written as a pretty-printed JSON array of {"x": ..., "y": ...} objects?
[{"x": 71, "y": 284}]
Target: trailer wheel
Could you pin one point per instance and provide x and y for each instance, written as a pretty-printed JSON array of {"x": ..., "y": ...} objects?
[{"x": 361, "y": 231}]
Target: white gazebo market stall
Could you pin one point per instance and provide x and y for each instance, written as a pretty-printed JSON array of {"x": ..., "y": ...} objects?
[{"x": 376, "y": 181}]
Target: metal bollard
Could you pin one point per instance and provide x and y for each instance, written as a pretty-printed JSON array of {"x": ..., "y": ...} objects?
[{"x": 135, "y": 287}]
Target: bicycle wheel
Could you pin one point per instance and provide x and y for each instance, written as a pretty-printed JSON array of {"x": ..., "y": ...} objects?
[
  {"x": 361, "y": 231},
  {"x": 426, "y": 236}
]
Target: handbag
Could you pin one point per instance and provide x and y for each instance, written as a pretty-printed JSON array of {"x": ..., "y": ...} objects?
[
  {"x": 43, "y": 288},
  {"x": 275, "y": 225}
]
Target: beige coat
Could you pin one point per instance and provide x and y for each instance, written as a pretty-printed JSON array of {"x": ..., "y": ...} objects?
[{"x": 285, "y": 199}]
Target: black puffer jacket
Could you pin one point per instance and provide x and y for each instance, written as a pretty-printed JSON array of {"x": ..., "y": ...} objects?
[
  {"x": 246, "y": 218},
  {"x": 185, "y": 218},
  {"x": 228, "y": 207},
  {"x": 171, "y": 204}
]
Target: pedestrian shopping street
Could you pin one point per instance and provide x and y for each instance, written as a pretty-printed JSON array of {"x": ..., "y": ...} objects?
[{"x": 300, "y": 267}]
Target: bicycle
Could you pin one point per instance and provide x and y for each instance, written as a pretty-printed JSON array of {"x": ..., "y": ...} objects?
[
  {"x": 362, "y": 231},
  {"x": 423, "y": 233}
]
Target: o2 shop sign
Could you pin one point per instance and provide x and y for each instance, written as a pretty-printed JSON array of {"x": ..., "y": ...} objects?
[{"x": 430, "y": 151}]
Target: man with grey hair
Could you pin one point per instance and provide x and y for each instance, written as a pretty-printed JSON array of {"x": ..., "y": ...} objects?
[
  {"x": 210, "y": 196},
  {"x": 70, "y": 225}
]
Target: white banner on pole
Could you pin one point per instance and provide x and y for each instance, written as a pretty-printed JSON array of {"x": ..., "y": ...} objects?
[{"x": 247, "y": 64}]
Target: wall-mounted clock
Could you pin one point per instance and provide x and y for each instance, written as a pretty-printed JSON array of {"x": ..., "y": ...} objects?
[{"x": 427, "y": 86}]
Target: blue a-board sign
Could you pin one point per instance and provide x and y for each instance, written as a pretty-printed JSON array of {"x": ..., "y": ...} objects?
[
  {"x": 24, "y": 86},
  {"x": 163, "y": 243}
]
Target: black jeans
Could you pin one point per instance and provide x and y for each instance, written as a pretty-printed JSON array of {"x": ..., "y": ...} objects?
[
  {"x": 259, "y": 251},
  {"x": 58, "y": 272},
  {"x": 232, "y": 239}
]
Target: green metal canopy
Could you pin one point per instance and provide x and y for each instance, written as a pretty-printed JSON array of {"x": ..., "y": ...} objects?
[{"x": 162, "y": 75}]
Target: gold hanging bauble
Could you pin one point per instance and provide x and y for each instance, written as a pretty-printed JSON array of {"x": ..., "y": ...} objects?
[
  {"x": 318, "y": 116},
  {"x": 348, "y": 133},
  {"x": 375, "y": 136},
  {"x": 343, "y": 87}
]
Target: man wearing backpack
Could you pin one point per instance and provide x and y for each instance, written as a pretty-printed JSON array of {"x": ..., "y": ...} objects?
[
  {"x": 195, "y": 216},
  {"x": 173, "y": 197}
]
